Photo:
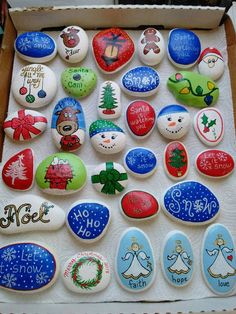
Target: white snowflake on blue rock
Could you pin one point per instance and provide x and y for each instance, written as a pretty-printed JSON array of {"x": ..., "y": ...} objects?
[
  {"x": 8, "y": 254},
  {"x": 42, "y": 278},
  {"x": 9, "y": 280}
]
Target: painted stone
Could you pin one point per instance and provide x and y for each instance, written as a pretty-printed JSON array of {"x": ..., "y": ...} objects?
[
  {"x": 68, "y": 125},
  {"x": 142, "y": 81},
  {"x": 18, "y": 171},
  {"x": 135, "y": 264},
  {"x": 139, "y": 205},
  {"x": 79, "y": 82},
  {"x": 72, "y": 44},
  {"x": 30, "y": 213},
  {"x": 113, "y": 49},
  {"x": 35, "y": 47},
  {"x": 151, "y": 47},
  {"x": 215, "y": 163},
  {"x": 193, "y": 89},
  {"x": 183, "y": 48},
  {"x": 177, "y": 259},
  {"x": 61, "y": 174},
  {"x": 109, "y": 178},
  {"x": 141, "y": 162},
  {"x": 88, "y": 220},
  {"x": 106, "y": 137},
  {"x": 109, "y": 104},
  {"x": 173, "y": 122},
  {"x": 27, "y": 267},
  {"x": 86, "y": 272},
  {"x": 24, "y": 125},
  {"x": 34, "y": 86},
  {"x": 191, "y": 202},
  {"x": 211, "y": 63},
  {"x": 140, "y": 118},
  {"x": 209, "y": 126},
  {"x": 219, "y": 259},
  {"x": 176, "y": 160}
]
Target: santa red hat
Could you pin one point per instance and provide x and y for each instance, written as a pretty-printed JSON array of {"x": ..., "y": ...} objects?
[{"x": 210, "y": 52}]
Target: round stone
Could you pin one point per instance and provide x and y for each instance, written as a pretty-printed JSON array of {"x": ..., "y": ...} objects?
[{"x": 211, "y": 63}]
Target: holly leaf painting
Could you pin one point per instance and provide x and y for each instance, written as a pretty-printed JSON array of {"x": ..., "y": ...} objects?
[
  {"x": 211, "y": 123},
  {"x": 204, "y": 119}
]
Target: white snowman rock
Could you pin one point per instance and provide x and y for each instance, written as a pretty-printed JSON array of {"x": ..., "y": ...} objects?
[{"x": 109, "y": 104}]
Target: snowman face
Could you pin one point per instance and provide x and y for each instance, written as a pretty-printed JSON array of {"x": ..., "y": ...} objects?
[{"x": 111, "y": 142}]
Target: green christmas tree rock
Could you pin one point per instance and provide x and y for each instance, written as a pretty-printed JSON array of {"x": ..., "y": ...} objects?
[{"x": 109, "y": 106}]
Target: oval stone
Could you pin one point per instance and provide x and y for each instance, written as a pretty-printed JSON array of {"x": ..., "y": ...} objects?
[
  {"x": 109, "y": 103},
  {"x": 140, "y": 118},
  {"x": 193, "y": 89},
  {"x": 61, "y": 174},
  {"x": 68, "y": 125},
  {"x": 86, "y": 272},
  {"x": 27, "y": 267},
  {"x": 191, "y": 202},
  {"x": 135, "y": 265},
  {"x": 219, "y": 259},
  {"x": 35, "y": 47},
  {"x": 139, "y": 205},
  {"x": 211, "y": 63},
  {"x": 142, "y": 81}
]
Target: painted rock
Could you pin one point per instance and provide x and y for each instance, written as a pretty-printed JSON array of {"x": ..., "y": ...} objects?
[
  {"x": 183, "y": 48},
  {"x": 79, "y": 82},
  {"x": 18, "y": 171},
  {"x": 27, "y": 267},
  {"x": 109, "y": 178},
  {"x": 219, "y": 259},
  {"x": 68, "y": 125},
  {"x": 215, "y": 163},
  {"x": 209, "y": 126},
  {"x": 151, "y": 47},
  {"x": 30, "y": 213},
  {"x": 173, "y": 121},
  {"x": 24, "y": 125},
  {"x": 86, "y": 272},
  {"x": 176, "y": 160},
  {"x": 139, "y": 205},
  {"x": 141, "y": 162},
  {"x": 61, "y": 174},
  {"x": 135, "y": 264},
  {"x": 211, "y": 63},
  {"x": 177, "y": 259},
  {"x": 34, "y": 86},
  {"x": 106, "y": 137},
  {"x": 191, "y": 202},
  {"x": 109, "y": 104},
  {"x": 142, "y": 81},
  {"x": 88, "y": 220},
  {"x": 113, "y": 49},
  {"x": 35, "y": 47},
  {"x": 140, "y": 118},
  {"x": 193, "y": 89},
  {"x": 72, "y": 44}
]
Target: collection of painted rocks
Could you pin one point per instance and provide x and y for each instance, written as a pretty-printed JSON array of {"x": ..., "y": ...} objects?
[{"x": 28, "y": 266}]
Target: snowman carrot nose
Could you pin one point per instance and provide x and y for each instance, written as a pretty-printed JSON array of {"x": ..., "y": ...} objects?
[
  {"x": 172, "y": 123},
  {"x": 107, "y": 141}
]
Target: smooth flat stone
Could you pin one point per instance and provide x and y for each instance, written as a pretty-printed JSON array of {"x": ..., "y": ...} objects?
[
  {"x": 109, "y": 103},
  {"x": 34, "y": 86},
  {"x": 72, "y": 44},
  {"x": 140, "y": 118},
  {"x": 18, "y": 171},
  {"x": 219, "y": 259},
  {"x": 86, "y": 272},
  {"x": 211, "y": 63},
  {"x": 190, "y": 202},
  {"x": 193, "y": 89},
  {"x": 61, "y": 174},
  {"x": 142, "y": 81},
  {"x": 24, "y": 125},
  {"x": 135, "y": 265},
  {"x": 35, "y": 47},
  {"x": 109, "y": 178},
  {"x": 30, "y": 213},
  {"x": 68, "y": 124},
  {"x": 88, "y": 220},
  {"x": 138, "y": 205},
  {"x": 209, "y": 126},
  {"x": 112, "y": 48},
  {"x": 177, "y": 259},
  {"x": 27, "y": 267}
]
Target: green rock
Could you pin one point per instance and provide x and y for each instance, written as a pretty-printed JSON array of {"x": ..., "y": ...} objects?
[{"x": 193, "y": 89}]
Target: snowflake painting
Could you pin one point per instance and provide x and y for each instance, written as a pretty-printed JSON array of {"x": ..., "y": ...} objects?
[
  {"x": 8, "y": 254},
  {"x": 9, "y": 280},
  {"x": 198, "y": 206},
  {"x": 42, "y": 278},
  {"x": 24, "y": 44},
  {"x": 221, "y": 156},
  {"x": 205, "y": 164}
]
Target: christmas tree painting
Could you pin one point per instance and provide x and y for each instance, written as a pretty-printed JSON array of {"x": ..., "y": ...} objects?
[
  {"x": 17, "y": 170},
  {"x": 108, "y": 100},
  {"x": 177, "y": 160}
]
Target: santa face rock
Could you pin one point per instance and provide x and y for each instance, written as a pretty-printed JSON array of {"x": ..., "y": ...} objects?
[{"x": 211, "y": 63}]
